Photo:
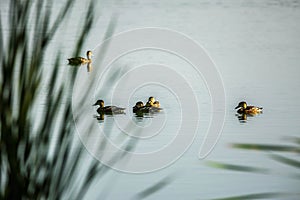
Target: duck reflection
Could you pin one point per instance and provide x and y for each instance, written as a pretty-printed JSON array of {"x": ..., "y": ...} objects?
[
  {"x": 100, "y": 117},
  {"x": 89, "y": 67},
  {"x": 242, "y": 117}
]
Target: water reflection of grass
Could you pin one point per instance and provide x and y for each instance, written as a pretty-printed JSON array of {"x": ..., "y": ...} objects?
[{"x": 273, "y": 153}]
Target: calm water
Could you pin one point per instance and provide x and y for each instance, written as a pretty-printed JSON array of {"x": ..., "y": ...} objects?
[{"x": 255, "y": 46}]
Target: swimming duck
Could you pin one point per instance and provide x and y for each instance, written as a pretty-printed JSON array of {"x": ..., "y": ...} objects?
[
  {"x": 244, "y": 109},
  {"x": 81, "y": 60},
  {"x": 137, "y": 106},
  {"x": 108, "y": 109}
]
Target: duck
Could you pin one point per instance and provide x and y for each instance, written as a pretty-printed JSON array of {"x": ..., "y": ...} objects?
[
  {"x": 243, "y": 108},
  {"x": 141, "y": 108},
  {"x": 81, "y": 60},
  {"x": 137, "y": 106},
  {"x": 108, "y": 109}
]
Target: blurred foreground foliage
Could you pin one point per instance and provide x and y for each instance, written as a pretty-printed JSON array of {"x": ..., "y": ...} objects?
[
  {"x": 28, "y": 169},
  {"x": 287, "y": 155}
]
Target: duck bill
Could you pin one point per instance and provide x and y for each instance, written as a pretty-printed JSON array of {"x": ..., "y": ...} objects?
[
  {"x": 237, "y": 107},
  {"x": 94, "y": 104}
]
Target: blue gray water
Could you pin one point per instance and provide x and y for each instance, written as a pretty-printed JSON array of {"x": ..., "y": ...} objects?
[
  {"x": 255, "y": 45},
  {"x": 256, "y": 48}
]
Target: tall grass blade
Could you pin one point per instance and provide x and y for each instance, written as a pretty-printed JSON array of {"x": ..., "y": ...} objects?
[
  {"x": 267, "y": 147},
  {"x": 156, "y": 187},
  {"x": 287, "y": 161},
  {"x": 240, "y": 168},
  {"x": 267, "y": 195}
]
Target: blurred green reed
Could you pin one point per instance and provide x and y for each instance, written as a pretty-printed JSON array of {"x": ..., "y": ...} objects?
[
  {"x": 268, "y": 147},
  {"x": 272, "y": 151},
  {"x": 241, "y": 168},
  {"x": 252, "y": 196},
  {"x": 28, "y": 170},
  {"x": 155, "y": 187}
]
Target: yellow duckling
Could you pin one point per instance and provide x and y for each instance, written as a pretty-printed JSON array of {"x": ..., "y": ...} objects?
[
  {"x": 156, "y": 104},
  {"x": 150, "y": 102},
  {"x": 139, "y": 108},
  {"x": 244, "y": 109},
  {"x": 81, "y": 60}
]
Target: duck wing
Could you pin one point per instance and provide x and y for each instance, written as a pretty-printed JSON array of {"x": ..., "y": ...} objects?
[
  {"x": 155, "y": 109},
  {"x": 115, "y": 109},
  {"x": 253, "y": 110}
]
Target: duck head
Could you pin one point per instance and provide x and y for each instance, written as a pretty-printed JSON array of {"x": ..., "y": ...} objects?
[
  {"x": 151, "y": 99},
  {"x": 242, "y": 104},
  {"x": 139, "y": 104},
  {"x": 156, "y": 104},
  {"x": 99, "y": 103},
  {"x": 89, "y": 54}
]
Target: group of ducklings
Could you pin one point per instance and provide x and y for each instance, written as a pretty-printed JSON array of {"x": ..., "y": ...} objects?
[{"x": 152, "y": 106}]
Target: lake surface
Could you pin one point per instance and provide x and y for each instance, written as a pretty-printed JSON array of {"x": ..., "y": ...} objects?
[
  {"x": 254, "y": 45},
  {"x": 256, "y": 48}
]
